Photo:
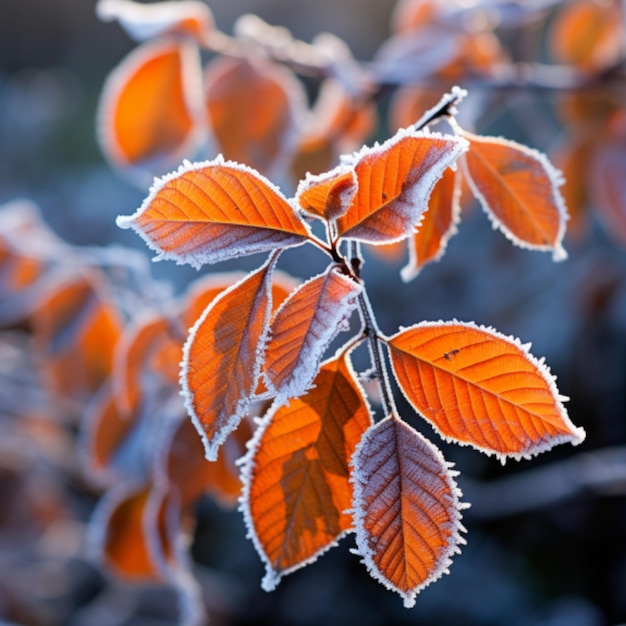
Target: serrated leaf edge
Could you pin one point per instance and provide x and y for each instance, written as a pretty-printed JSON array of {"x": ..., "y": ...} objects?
[
  {"x": 578, "y": 433},
  {"x": 455, "y": 540}
]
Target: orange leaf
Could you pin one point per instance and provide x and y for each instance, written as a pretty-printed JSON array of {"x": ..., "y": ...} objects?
[
  {"x": 328, "y": 195},
  {"x": 519, "y": 190},
  {"x": 303, "y": 328},
  {"x": 608, "y": 186},
  {"x": 406, "y": 508},
  {"x": 394, "y": 183},
  {"x": 296, "y": 474},
  {"x": 147, "y": 358},
  {"x": 146, "y": 21},
  {"x": 254, "y": 108},
  {"x": 588, "y": 34},
  {"x": 222, "y": 357},
  {"x": 215, "y": 210},
  {"x": 149, "y": 116},
  {"x": 574, "y": 157},
  {"x": 191, "y": 475},
  {"x": 437, "y": 226},
  {"x": 129, "y": 533},
  {"x": 76, "y": 327},
  {"x": 104, "y": 430},
  {"x": 478, "y": 387}
]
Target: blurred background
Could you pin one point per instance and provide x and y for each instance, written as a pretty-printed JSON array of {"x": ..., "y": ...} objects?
[{"x": 545, "y": 537}]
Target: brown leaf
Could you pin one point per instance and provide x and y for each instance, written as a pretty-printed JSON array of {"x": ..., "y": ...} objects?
[
  {"x": 302, "y": 329},
  {"x": 406, "y": 508}
]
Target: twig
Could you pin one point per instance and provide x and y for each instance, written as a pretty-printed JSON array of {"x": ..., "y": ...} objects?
[{"x": 602, "y": 472}]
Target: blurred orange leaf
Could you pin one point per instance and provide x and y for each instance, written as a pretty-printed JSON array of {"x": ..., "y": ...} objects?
[
  {"x": 223, "y": 355},
  {"x": 254, "y": 108},
  {"x": 394, "y": 183},
  {"x": 297, "y": 472},
  {"x": 129, "y": 533},
  {"x": 608, "y": 186},
  {"x": 191, "y": 475},
  {"x": 478, "y": 387},
  {"x": 147, "y": 358},
  {"x": 406, "y": 508},
  {"x": 76, "y": 328},
  {"x": 104, "y": 431},
  {"x": 148, "y": 119},
  {"x": 215, "y": 210},
  {"x": 303, "y": 327},
  {"x": 519, "y": 190},
  {"x": 437, "y": 226},
  {"x": 588, "y": 33}
]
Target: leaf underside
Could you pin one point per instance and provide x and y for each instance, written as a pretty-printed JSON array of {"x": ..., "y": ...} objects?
[{"x": 406, "y": 508}]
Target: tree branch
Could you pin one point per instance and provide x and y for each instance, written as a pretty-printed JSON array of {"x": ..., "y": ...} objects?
[{"x": 601, "y": 473}]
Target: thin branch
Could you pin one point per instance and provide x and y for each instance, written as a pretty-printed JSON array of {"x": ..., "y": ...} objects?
[{"x": 602, "y": 472}]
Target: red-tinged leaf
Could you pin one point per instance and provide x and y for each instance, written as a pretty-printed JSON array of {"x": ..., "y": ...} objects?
[
  {"x": 296, "y": 474},
  {"x": 215, "y": 210},
  {"x": 329, "y": 195},
  {"x": 254, "y": 109},
  {"x": 150, "y": 113},
  {"x": 437, "y": 226},
  {"x": 223, "y": 355},
  {"x": 406, "y": 508},
  {"x": 302, "y": 329},
  {"x": 394, "y": 183},
  {"x": 519, "y": 190},
  {"x": 129, "y": 533},
  {"x": 588, "y": 34},
  {"x": 147, "y": 358},
  {"x": 608, "y": 186},
  {"x": 478, "y": 387},
  {"x": 76, "y": 328},
  {"x": 147, "y": 21}
]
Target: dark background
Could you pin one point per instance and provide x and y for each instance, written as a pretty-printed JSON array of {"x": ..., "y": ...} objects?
[{"x": 545, "y": 537}]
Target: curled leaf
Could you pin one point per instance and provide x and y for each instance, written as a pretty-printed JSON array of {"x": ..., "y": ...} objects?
[
  {"x": 395, "y": 180},
  {"x": 478, "y": 387},
  {"x": 329, "y": 195},
  {"x": 406, "y": 508}
]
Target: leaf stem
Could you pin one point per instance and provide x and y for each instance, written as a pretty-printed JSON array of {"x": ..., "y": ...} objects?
[{"x": 372, "y": 332}]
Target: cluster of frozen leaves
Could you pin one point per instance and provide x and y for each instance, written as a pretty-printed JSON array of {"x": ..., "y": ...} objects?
[{"x": 319, "y": 465}]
